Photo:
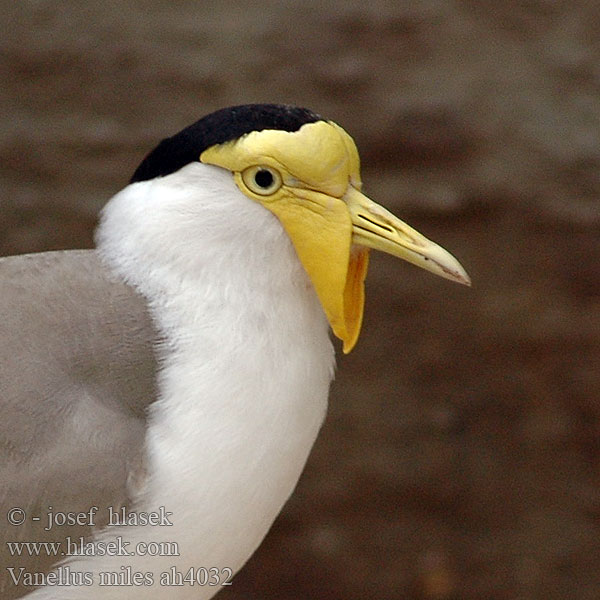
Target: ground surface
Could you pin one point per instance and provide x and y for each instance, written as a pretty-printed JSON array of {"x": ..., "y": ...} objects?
[{"x": 461, "y": 456}]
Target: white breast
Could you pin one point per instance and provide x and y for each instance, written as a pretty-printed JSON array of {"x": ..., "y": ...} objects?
[{"x": 246, "y": 368}]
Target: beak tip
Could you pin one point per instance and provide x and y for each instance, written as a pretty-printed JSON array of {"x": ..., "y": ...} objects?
[
  {"x": 464, "y": 279},
  {"x": 453, "y": 270}
]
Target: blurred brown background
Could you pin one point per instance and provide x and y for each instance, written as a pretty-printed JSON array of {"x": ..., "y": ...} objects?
[{"x": 461, "y": 455}]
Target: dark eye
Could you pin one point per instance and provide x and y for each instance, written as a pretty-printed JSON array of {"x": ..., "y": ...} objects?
[{"x": 262, "y": 180}]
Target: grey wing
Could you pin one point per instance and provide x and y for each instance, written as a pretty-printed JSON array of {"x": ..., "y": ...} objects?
[{"x": 77, "y": 372}]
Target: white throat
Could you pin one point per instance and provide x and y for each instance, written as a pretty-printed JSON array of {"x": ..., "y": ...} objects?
[{"x": 246, "y": 367}]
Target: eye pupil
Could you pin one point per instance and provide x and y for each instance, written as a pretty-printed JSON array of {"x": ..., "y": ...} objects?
[{"x": 264, "y": 178}]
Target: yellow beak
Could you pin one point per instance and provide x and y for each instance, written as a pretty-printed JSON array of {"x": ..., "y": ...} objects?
[{"x": 375, "y": 227}]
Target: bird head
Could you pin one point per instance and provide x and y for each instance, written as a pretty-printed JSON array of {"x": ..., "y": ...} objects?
[{"x": 306, "y": 171}]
